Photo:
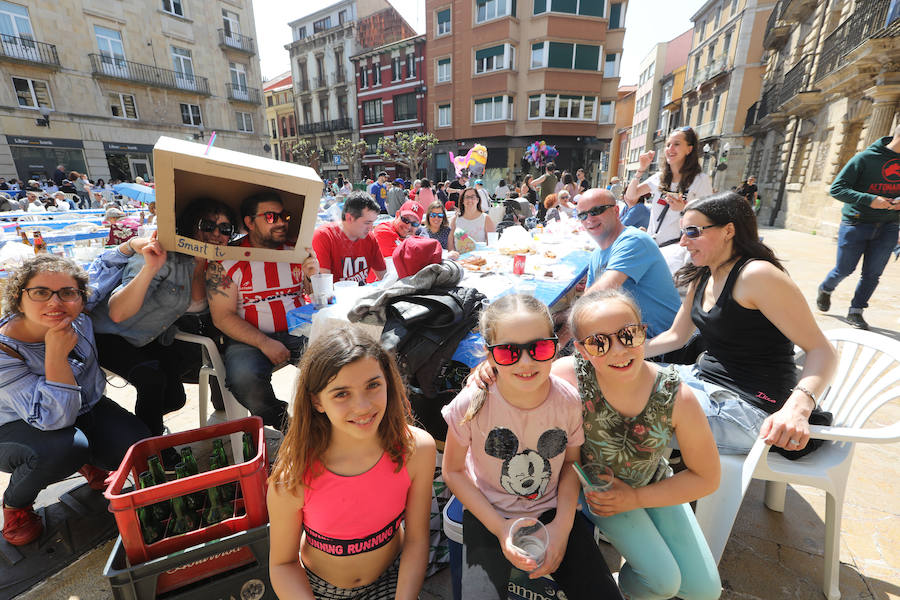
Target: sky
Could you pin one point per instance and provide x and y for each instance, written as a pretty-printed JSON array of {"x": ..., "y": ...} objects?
[{"x": 647, "y": 23}]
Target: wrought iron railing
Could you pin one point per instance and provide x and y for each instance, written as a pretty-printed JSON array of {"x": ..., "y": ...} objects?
[
  {"x": 118, "y": 68},
  {"x": 868, "y": 18},
  {"x": 325, "y": 126},
  {"x": 318, "y": 82},
  {"x": 242, "y": 93},
  {"x": 796, "y": 79},
  {"x": 751, "y": 119},
  {"x": 769, "y": 102},
  {"x": 237, "y": 41},
  {"x": 26, "y": 49},
  {"x": 339, "y": 76}
]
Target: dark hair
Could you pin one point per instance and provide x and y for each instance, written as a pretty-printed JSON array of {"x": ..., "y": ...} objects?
[
  {"x": 73, "y": 175},
  {"x": 424, "y": 183},
  {"x": 550, "y": 167},
  {"x": 357, "y": 202},
  {"x": 41, "y": 263},
  {"x": 340, "y": 181},
  {"x": 251, "y": 203},
  {"x": 435, "y": 206},
  {"x": 691, "y": 167},
  {"x": 567, "y": 179},
  {"x": 462, "y": 205},
  {"x": 502, "y": 182},
  {"x": 187, "y": 221},
  {"x": 721, "y": 209}
]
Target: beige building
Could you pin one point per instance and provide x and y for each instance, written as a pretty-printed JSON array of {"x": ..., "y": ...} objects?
[
  {"x": 724, "y": 75},
  {"x": 92, "y": 84},
  {"x": 281, "y": 120},
  {"x": 831, "y": 88}
]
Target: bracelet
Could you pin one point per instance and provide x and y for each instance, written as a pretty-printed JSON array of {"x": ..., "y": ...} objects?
[{"x": 806, "y": 391}]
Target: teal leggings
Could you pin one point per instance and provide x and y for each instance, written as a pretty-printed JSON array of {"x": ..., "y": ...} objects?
[{"x": 665, "y": 553}]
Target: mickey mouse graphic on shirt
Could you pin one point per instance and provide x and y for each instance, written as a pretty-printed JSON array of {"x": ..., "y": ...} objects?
[{"x": 525, "y": 473}]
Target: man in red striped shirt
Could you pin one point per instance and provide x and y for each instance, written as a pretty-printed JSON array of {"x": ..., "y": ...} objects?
[{"x": 249, "y": 302}]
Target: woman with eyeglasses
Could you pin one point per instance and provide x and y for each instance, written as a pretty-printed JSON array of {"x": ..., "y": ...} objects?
[
  {"x": 437, "y": 227},
  {"x": 470, "y": 218},
  {"x": 54, "y": 418},
  {"x": 750, "y": 315},
  {"x": 136, "y": 325}
]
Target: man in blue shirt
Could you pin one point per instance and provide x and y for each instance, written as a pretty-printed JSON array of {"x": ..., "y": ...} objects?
[
  {"x": 629, "y": 259},
  {"x": 379, "y": 191}
]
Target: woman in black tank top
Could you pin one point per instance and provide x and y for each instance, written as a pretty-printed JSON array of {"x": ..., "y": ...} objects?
[{"x": 750, "y": 314}]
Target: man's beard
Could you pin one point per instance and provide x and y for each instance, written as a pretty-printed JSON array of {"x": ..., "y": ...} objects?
[{"x": 269, "y": 241}]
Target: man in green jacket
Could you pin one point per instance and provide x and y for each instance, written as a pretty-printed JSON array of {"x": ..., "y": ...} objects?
[{"x": 869, "y": 187}]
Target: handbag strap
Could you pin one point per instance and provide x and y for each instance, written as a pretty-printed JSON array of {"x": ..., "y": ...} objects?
[{"x": 7, "y": 349}]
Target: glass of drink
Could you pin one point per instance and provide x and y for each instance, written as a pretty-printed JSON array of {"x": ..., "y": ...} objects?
[
  {"x": 323, "y": 288},
  {"x": 531, "y": 538},
  {"x": 595, "y": 477}
]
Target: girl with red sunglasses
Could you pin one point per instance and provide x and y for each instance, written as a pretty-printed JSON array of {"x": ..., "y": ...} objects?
[{"x": 509, "y": 454}]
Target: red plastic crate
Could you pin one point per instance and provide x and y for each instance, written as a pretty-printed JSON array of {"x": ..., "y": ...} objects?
[{"x": 250, "y": 476}]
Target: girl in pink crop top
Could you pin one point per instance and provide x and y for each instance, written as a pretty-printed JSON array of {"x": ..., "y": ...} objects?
[{"x": 352, "y": 479}]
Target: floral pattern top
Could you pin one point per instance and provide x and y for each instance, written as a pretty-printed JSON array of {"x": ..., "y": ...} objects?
[{"x": 632, "y": 446}]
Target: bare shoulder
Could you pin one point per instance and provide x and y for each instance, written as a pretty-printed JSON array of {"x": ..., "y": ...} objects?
[
  {"x": 761, "y": 272},
  {"x": 280, "y": 499},
  {"x": 425, "y": 451},
  {"x": 686, "y": 408}
]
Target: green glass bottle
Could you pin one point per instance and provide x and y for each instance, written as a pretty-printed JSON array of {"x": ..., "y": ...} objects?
[
  {"x": 226, "y": 490},
  {"x": 156, "y": 470},
  {"x": 190, "y": 463},
  {"x": 249, "y": 450},
  {"x": 192, "y": 500},
  {"x": 219, "y": 449},
  {"x": 151, "y": 526},
  {"x": 217, "y": 510},
  {"x": 185, "y": 517}
]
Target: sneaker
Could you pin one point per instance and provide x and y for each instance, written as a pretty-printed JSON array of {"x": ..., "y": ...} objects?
[
  {"x": 823, "y": 301},
  {"x": 96, "y": 478},
  {"x": 856, "y": 320},
  {"x": 21, "y": 526}
]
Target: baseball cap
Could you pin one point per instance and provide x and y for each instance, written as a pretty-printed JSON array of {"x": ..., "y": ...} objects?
[
  {"x": 415, "y": 253},
  {"x": 478, "y": 182},
  {"x": 399, "y": 181},
  {"x": 382, "y": 174},
  {"x": 113, "y": 213},
  {"x": 412, "y": 210}
]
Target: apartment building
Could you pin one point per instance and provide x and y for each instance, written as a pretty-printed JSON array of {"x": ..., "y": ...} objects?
[
  {"x": 323, "y": 75},
  {"x": 92, "y": 84},
  {"x": 671, "y": 88},
  {"x": 724, "y": 75},
  {"x": 831, "y": 88},
  {"x": 505, "y": 75},
  {"x": 618, "y": 149},
  {"x": 281, "y": 120},
  {"x": 646, "y": 103},
  {"x": 391, "y": 95}
]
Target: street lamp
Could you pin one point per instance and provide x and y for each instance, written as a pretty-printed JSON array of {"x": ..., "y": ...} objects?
[{"x": 44, "y": 121}]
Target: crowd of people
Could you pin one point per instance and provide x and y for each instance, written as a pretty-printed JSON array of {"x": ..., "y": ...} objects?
[{"x": 683, "y": 338}]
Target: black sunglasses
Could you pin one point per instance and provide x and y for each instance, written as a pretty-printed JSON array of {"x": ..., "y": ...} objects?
[
  {"x": 408, "y": 221},
  {"x": 692, "y": 232},
  {"x": 630, "y": 336},
  {"x": 509, "y": 354},
  {"x": 271, "y": 216},
  {"x": 594, "y": 212},
  {"x": 226, "y": 229}
]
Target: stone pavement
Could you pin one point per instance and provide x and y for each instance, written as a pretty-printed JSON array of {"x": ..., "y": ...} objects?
[{"x": 770, "y": 556}]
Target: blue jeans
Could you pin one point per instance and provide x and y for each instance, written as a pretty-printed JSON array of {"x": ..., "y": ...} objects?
[
  {"x": 871, "y": 241},
  {"x": 665, "y": 553},
  {"x": 38, "y": 458},
  {"x": 734, "y": 423},
  {"x": 248, "y": 374}
]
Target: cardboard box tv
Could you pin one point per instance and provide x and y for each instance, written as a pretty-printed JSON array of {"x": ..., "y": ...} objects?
[{"x": 185, "y": 172}]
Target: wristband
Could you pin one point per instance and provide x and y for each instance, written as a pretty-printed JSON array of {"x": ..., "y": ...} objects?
[
  {"x": 130, "y": 247},
  {"x": 806, "y": 391}
]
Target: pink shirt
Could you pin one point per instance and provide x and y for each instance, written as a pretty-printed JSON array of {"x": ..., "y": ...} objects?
[
  {"x": 425, "y": 198},
  {"x": 515, "y": 456}
]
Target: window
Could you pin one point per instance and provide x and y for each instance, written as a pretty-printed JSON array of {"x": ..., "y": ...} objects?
[
  {"x": 573, "y": 56},
  {"x": 268, "y": 100},
  {"x": 244, "y": 121},
  {"x": 14, "y": 21},
  {"x": 495, "y": 58},
  {"x": 342, "y": 17},
  {"x": 734, "y": 7},
  {"x": 372, "y": 143},
  {"x": 443, "y": 70},
  {"x": 274, "y": 129},
  {"x": 444, "y": 115},
  {"x": 173, "y": 7},
  {"x": 376, "y": 74},
  {"x": 122, "y": 106},
  {"x": 231, "y": 23},
  {"x": 443, "y": 22},
  {"x": 292, "y": 126},
  {"x": 184, "y": 68},
  {"x": 616, "y": 19},
  {"x": 363, "y": 77},
  {"x": 607, "y": 112},
  {"x": 395, "y": 69},
  {"x": 718, "y": 17},
  {"x": 300, "y": 33},
  {"x": 715, "y": 109},
  {"x": 589, "y": 8},
  {"x": 562, "y": 106},
  {"x": 190, "y": 115},
  {"x": 486, "y": 10},
  {"x": 32, "y": 93},
  {"x": 726, "y": 44},
  {"x": 322, "y": 25},
  {"x": 239, "y": 89},
  {"x": 538, "y": 55},
  {"x": 405, "y": 107},
  {"x": 372, "y": 112},
  {"x": 498, "y": 108},
  {"x": 410, "y": 65},
  {"x": 112, "y": 52},
  {"x": 611, "y": 65}
]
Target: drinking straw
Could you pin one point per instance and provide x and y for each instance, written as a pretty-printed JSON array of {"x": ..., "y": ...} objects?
[{"x": 212, "y": 139}]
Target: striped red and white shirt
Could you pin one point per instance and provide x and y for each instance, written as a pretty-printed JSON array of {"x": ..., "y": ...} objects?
[{"x": 266, "y": 290}]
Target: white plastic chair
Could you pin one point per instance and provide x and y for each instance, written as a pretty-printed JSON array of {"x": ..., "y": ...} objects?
[
  {"x": 867, "y": 378},
  {"x": 212, "y": 365}
]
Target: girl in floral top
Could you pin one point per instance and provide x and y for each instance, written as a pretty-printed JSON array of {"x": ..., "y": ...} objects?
[{"x": 631, "y": 410}]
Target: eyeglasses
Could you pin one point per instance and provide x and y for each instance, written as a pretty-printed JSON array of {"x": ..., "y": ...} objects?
[
  {"x": 226, "y": 229},
  {"x": 66, "y": 294},
  {"x": 436, "y": 215},
  {"x": 509, "y": 354},
  {"x": 594, "y": 212},
  {"x": 409, "y": 221},
  {"x": 272, "y": 216},
  {"x": 630, "y": 336},
  {"x": 692, "y": 232}
]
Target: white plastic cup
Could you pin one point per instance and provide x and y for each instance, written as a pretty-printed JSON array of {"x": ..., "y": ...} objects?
[
  {"x": 599, "y": 477},
  {"x": 531, "y": 538},
  {"x": 492, "y": 238},
  {"x": 323, "y": 288},
  {"x": 529, "y": 288}
]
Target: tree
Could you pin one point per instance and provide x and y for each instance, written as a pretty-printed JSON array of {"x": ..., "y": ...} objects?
[
  {"x": 307, "y": 153},
  {"x": 413, "y": 150},
  {"x": 351, "y": 153}
]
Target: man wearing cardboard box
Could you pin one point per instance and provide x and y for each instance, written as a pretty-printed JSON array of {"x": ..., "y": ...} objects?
[
  {"x": 348, "y": 249},
  {"x": 249, "y": 301}
]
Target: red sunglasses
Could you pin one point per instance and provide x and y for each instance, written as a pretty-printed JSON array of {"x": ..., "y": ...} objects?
[{"x": 509, "y": 354}]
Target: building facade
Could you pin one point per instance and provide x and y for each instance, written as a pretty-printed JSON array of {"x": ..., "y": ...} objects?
[
  {"x": 505, "y": 76},
  {"x": 323, "y": 76},
  {"x": 92, "y": 84},
  {"x": 671, "y": 87},
  {"x": 281, "y": 120},
  {"x": 831, "y": 88},
  {"x": 723, "y": 78},
  {"x": 619, "y": 146},
  {"x": 646, "y": 111},
  {"x": 390, "y": 91}
]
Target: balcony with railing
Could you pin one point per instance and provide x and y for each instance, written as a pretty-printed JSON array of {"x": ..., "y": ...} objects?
[
  {"x": 796, "y": 80},
  {"x": 236, "y": 41},
  {"x": 126, "y": 70},
  {"x": 26, "y": 50},
  {"x": 769, "y": 102},
  {"x": 868, "y": 18},
  {"x": 659, "y": 135},
  {"x": 319, "y": 82},
  {"x": 777, "y": 30},
  {"x": 339, "y": 76},
  {"x": 325, "y": 126},
  {"x": 752, "y": 116},
  {"x": 242, "y": 93},
  {"x": 706, "y": 130}
]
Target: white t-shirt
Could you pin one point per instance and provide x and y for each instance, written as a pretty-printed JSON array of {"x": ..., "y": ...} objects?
[
  {"x": 474, "y": 227},
  {"x": 670, "y": 227}
]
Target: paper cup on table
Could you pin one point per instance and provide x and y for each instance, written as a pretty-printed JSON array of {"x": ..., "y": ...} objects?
[
  {"x": 531, "y": 538},
  {"x": 323, "y": 288},
  {"x": 528, "y": 288},
  {"x": 492, "y": 238}
]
